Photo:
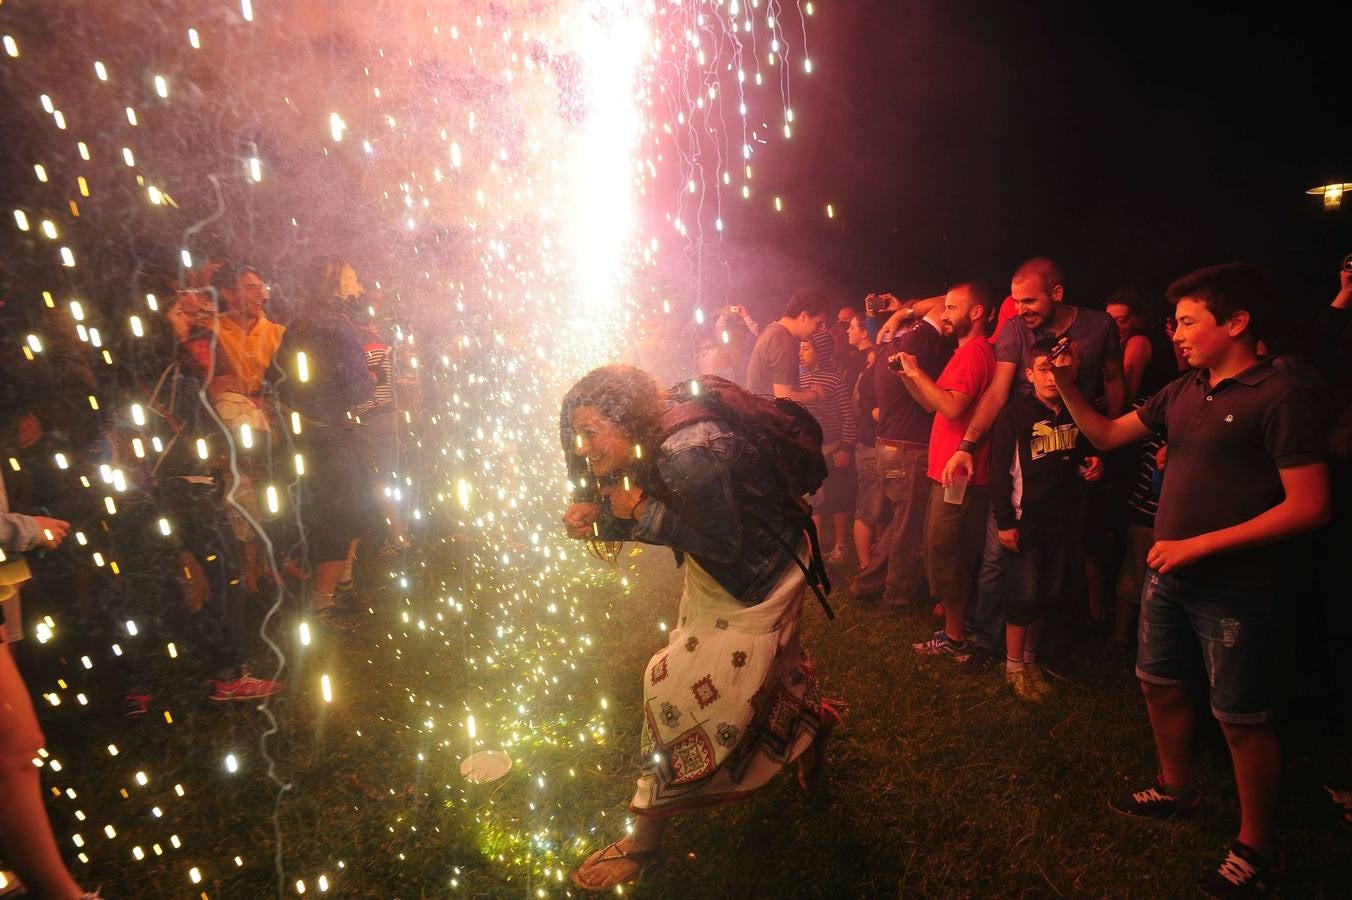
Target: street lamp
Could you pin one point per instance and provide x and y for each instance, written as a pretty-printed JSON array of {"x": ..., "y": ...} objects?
[{"x": 1332, "y": 193}]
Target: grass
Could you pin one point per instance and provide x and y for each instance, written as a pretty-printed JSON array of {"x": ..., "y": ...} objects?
[{"x": 940, "y": 784}]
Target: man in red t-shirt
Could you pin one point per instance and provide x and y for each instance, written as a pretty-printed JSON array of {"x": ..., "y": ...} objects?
[{"x": 956, "y": 523}]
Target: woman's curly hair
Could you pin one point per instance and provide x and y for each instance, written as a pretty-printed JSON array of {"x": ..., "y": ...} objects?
[{"x": 631, "y": 399}]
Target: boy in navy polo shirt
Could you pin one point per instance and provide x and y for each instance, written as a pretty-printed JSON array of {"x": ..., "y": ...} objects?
[{"x": 1247, "y": 437}]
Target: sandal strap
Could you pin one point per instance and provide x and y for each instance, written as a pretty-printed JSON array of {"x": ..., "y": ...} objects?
[{"x": 642, "y": 857}]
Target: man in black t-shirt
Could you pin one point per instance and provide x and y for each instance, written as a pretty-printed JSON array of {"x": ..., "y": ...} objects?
[
  {"x": 896, "y": 569},
  {"x": 1246, "y": 473}
]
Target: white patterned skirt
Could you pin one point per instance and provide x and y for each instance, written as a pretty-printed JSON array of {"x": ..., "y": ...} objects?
[{"x": 730, "y": 701}]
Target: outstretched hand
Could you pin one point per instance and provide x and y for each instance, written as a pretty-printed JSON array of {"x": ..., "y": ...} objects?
[
  {"x": 580, "y": 518},
  {"x": 51, "y": 531}
]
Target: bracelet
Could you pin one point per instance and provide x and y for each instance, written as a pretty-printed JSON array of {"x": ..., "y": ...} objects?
[{"x": 966, "y": 446}]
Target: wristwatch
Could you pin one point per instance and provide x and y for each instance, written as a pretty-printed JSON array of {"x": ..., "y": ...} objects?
[{"x": 966, "y": 446}]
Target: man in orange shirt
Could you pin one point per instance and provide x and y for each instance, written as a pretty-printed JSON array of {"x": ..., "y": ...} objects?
[
  {"x": 248, "y": 338},
  {"x": 246, "y": 342}
]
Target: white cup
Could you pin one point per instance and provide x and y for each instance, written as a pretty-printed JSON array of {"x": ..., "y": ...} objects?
[{"x": 953, "y": 493}]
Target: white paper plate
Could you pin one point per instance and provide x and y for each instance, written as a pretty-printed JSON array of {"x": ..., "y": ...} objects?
[{"x": 486, "y": 765}]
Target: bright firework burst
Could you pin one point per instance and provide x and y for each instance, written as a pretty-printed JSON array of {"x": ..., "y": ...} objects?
[{"x": 526, "y": 182}]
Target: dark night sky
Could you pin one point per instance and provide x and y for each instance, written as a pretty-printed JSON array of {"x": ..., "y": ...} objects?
[{"x": 1130, "y": 143}]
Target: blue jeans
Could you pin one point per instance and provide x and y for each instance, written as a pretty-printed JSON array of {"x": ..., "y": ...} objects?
[
  {"x": 1233, "y": 629},
  {"x": 986, "y": 621}
]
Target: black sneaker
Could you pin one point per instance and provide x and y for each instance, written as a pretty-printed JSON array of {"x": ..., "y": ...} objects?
[
  {"x": 1243, "y": 873},
  {"x": 979, "y": 661},
  {"x": 1155, "y": 803}
]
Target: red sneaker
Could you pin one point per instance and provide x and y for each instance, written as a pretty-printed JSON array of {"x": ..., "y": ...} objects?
[
  {"x": 245, "y": 687},
  {"x": 133, "y": 705}
]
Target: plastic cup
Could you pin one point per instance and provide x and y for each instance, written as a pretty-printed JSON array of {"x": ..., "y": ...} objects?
[{"x": 953, "y": 493}]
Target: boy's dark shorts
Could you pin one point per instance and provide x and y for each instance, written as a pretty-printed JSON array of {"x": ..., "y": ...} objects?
[{"x": 1232, "y": 627}]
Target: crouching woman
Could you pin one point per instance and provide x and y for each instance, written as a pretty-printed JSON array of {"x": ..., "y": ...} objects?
[{"x": 733, "y": 698}]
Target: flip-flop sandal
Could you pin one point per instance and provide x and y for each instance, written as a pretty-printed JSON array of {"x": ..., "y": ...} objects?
[
  {"x": 613, "y": 853},
  {"x": 810, "y": 778}
]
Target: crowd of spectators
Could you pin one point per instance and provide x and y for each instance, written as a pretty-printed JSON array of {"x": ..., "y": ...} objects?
[{"x": 1041, "y": 476}]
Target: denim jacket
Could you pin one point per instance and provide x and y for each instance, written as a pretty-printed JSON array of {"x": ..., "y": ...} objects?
[{"x": 721, "y": 503}]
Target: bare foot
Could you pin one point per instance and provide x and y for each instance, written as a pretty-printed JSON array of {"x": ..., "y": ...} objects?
[{"x": 620, "y": 863}]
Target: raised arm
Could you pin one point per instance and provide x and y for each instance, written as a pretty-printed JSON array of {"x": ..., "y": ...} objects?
[
  {"x": 948, "y": 403},
  {"x": 1103, "y": 432},
  {"x": 907, "y": 311}
]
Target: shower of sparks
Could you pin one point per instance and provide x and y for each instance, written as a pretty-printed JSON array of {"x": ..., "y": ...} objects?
[{"x": 520, "y": 183}]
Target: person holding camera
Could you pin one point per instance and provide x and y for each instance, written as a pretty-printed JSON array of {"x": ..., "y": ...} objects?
[
  {"x": 956, "y": 519},
  {"x": 1247, "y": 472},
  {"x": 896, "y": 569},
  {"x": 734, "y": 335}
]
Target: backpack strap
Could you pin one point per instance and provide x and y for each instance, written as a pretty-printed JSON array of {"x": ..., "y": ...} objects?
[
  {"x": 682, "y": 415},
  {"x": 814, "y": 570}
]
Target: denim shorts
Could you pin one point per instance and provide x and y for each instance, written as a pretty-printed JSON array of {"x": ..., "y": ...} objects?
[{"x": 1228, "y": 628}]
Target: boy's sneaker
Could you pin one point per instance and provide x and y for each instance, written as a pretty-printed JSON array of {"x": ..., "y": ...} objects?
[
  {"x": 1032, "y": 674},
  {"x": 940, "y": 645},
  {"x": 978, "y": 660},
  {"x": 1156, "y": 803},
  {"x": 135, "y": 705},
  {"x": 245, "y": 687},
  {"x": 1243, "y": 873},
  {"x": 1023, "y": 689}
]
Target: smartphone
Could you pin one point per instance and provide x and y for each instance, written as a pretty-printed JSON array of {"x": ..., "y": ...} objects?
[{"x": 1062, "y": 345}]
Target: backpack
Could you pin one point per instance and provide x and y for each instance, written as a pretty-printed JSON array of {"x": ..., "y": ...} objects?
[{"x": 784, "y": 433}]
